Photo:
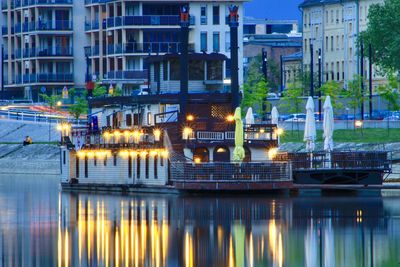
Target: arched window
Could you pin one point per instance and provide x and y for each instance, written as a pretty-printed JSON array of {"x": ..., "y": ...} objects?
[
  {"x": 222, "y": 154},
  {"x": 201, "y": 154},
  {"x": 247, "y": 154}
]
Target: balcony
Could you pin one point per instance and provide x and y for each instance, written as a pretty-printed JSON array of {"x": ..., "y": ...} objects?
[
  {"x": 88, "y": 2},
  {"x": 57, "y": 25},
  {"x": 147, "y": 20},
  {"x": 44, "y": 78},
  {"x": 92, "y": 25},
  {"x": 141, "y": 48},
  {"x": 4, "y": 30},
  {"x": 56, "y": 51},
  {"x": 127, "y": 75}
]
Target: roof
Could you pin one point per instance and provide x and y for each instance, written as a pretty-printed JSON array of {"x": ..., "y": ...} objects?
[
  {"x": 251, "y": 21},
  {"x": 192, "y": 56},
  {"x": 293, "y": 57},
  {"x": 308, "y": 3}
]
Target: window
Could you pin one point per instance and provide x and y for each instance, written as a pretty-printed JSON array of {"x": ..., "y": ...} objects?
[
  {"x": 138, "y": 167},
  {"x": 115, "y": 159},
  {"x": 128, "y": 120},
  {"x": 77, "y": 166},
  {"x": 326, "y": 16},
  {"x": 342, "y": 42},
  {"x": 227, "y": 41},
  {"x": 203, "y": 41},
  {"x": 216, "y": 42},
  {"x": 64, "y": 158},
  {"x": 86, "y": 167},
  {"x": 327, "y": 43},
  {"x": 155, "y": 165},
  {"x": 331, "y": 43},
  {"x": 214, "y": 70},
  {"x": 305, "y": 45},
  {"x": 147, "y": 166},
  {"x": 216, "y": 15},
  {"x": 203, "y": 15},
  {"x": 130, "y": 166},
  {"x": 337, "y": 42},
  {"x": 196, "y": 70},
  {"x": 332, "y": 16},
  {"x": 174, "y": 70},
  {"x": 337, "y": 16}
]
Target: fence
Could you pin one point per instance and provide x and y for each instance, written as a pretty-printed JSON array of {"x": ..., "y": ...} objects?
[{"x": 231, "y": 172}]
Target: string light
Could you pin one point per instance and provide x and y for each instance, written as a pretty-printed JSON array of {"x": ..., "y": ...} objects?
[
  {"x": 157, "y": 134},
  {"x": 272, "y": 153}
]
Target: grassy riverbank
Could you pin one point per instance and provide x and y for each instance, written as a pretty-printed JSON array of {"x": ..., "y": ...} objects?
[{"x": 374, "y": 136}]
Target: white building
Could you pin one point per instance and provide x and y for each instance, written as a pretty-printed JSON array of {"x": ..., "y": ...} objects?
[
  {"x": 334, "y": 26},
  {"x": 45, "y": 39}
]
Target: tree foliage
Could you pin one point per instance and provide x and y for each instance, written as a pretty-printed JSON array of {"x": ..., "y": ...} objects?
[
  {"x": 255, "y": 89},
  {"x": 390, "y": 92},
  {"x": 382, "y": 34},
  {"x": 292, "y": 100},
  {"x": 51, "y": 100},
  {"x": 334, "y": 90},
  {"x": 354, "y": 93},
  {"x": 79, "y": 108}
]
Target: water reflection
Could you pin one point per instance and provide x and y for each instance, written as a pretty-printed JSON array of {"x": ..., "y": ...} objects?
[{"x": 41, "y": 227}]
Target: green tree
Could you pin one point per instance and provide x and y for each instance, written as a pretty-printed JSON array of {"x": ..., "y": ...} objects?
[
  {"x": 72, "y": 94},
  {"x": 334, "y": 90},
  {"x": 79, "y": 108},
  {"x": 117, "y": 91},
  {"x": 51, "y": 100},
  {"x": 390, "y": 92},
  {"x": 99, "y": 90},
  {"x": 292, "y": 100},
  {"x": 354, "y": 94},
  {"x": 255, "y": 89},
  {"x": 381, "y": 33}
]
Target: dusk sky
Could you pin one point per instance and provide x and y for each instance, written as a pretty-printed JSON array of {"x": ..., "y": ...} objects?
[{"x": 273, "y": 9}]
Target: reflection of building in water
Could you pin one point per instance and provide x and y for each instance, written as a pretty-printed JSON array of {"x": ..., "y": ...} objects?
[{"x": 192, "y": 231}]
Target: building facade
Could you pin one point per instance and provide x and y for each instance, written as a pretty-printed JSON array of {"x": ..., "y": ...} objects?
[
  {"x": 333, "y": 27},
  {"x": 46, "y": 41},
  {"x": 278, "y": 38}
]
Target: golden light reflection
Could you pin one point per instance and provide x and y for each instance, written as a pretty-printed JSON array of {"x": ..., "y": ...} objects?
[
  {"x": 231, "y": 253},
  {"x": 275, "y": 243},
  {"x": 188, "y": 249}
]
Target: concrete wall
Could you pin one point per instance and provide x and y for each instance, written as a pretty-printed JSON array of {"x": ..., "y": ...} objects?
[{"x": 15, "y": 131}]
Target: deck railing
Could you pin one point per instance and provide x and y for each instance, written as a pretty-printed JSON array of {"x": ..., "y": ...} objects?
[
  {"x": 346, "y": 160},
  {"x": 227, "y": 171}
]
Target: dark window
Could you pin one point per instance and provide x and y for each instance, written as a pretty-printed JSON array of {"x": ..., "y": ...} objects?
[
  {"x": 77, "y": 167},
  {"x": 174, "y": 71},
  {"x": 203, "y": 15},
  {"x": 86, "y": 167},
  {"x": 222, "y": 154},
  {"x": 95, "y": 161},
  {"x": 136, "y": 119},
  {"x": 247, "y": 154},
  {"x": 128, "y": 119},
  {"x": 147, "y": 166},
  {"x": 201, "y": 154},
  {"x": 216, "y": 15},
  {"x": 108, "y": 118},
  {"x": 280, "y": 28},
  {"x": 214, "y": 70},
  {"x": 165, "y": 71},
  {"x": 138, "y": 167},
  {"x": 196, "y": 70},
  {"x": 249, "y": 29},
  {"x": 64, "y": 157},
  {"x": 155, "y": 164},
  {"x": 105, "y": 161},
  {"x": 130, "y": 167},
  {"x": 161, "y": 161},
  {"x": 115, "y": 159},
  {"x": 203, "y": 41},
  {"x": 216, "y": 46}
]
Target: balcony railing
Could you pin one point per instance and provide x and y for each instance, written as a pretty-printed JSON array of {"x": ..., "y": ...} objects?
[
  {"x": 4, "y": 30},
  {"x": 23, "y": 3},
  {"x": 50, "y": 25},
  {"x": 127, "y": 75},
  {"x": 132, "y": 48},
  {"x": 146, "y": 20},
  {"x": 62, "y": 51},
  {"x": 88, "y": 2},
  {"x": 44, "y": 78}
]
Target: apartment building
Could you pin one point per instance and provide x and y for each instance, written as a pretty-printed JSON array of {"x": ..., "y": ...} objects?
[
  {"x": 46, "y": 41},
  {"x": 333, "y": 27}
]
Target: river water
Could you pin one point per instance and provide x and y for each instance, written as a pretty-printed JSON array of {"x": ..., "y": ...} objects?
[{"x": 42, "y": 226}]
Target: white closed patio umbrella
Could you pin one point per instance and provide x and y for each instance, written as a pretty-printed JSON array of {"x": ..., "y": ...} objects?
[
  {"x": 274, "y": 116},
  {"x": 249, "y": 119},
  {"x": 328, "y": 129},
  {"x": 310, "y": 131},
  {"x": 328, "y": 124}
]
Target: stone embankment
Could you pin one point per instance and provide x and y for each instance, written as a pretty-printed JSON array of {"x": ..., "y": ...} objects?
[
  {"x": 32, "y": 159},
  {"x": 12, "y": 131}
]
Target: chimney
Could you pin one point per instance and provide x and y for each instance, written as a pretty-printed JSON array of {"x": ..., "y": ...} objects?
[
  {"x": 234, "y": 24},
  {"x": 184, "y": 61}
]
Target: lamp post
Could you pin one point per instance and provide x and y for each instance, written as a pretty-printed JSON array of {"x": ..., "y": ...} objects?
[
  {"x": 89, "y": 86},
  {"x": 265, "y": 72},
  {"x": 311, "y": 70},
  {"x": 319, "y": 86}
]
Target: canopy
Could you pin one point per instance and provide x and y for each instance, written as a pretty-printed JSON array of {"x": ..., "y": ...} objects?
[
  {"x": 249, "y": 116},
  {"x": 310, "y": 132},
  {"x": 328, "y": 124},
  {"x": 238, "y": 153},
  {"x": 274, "y": 116}
]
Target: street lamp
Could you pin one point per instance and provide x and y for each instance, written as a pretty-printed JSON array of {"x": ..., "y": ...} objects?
[
  {"x": 319, "y": 86},
  {"x": 89, "y": 84}
]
